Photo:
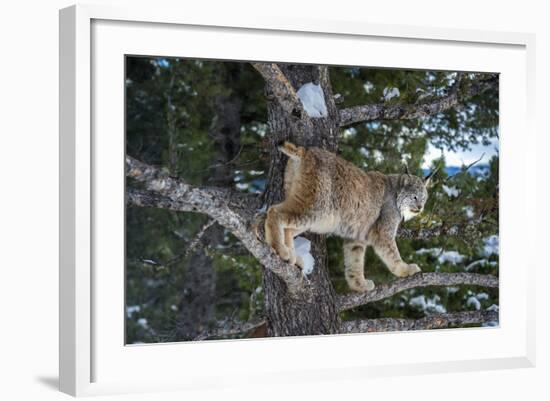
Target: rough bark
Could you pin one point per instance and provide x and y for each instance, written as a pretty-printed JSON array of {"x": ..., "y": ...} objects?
[
  {"x": 350, "y": 301},
  {"x": 438, "y": 321},
  {"x": 384, "y": 111},
  {"x": 313, "y": 311},
  {"x": 231, "y": 329}
]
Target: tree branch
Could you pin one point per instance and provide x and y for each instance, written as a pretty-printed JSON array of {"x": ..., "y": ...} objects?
[
  {"x": 227, "y": 208},
  {"x": 383, "y": 111},
  {"x": 281, "y": 88},
  {"x": 350, "y": 301},
  {"x": 437, "y": 321},
  {"x": 233, "y": 328}
]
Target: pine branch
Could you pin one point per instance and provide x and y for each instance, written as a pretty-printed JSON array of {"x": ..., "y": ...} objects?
[
  {"x": 436, "y": 321},
  {"x": 400, "y": 111},
  {"x": 350, "y": 301}
]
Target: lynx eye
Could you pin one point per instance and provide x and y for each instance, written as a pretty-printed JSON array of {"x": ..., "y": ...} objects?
[{"x": 415, "y": 197}]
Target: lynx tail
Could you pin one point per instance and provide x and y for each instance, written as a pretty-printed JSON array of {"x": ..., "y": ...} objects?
[{"x": 292, "y": 151}]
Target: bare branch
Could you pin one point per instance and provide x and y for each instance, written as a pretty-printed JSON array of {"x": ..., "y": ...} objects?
[
  {"x": 438, "y": 321},
  {"x": 383, "y": 111},
  {"x": 350, "y": 301},
  {"x": 227, "y": 208},
  {"x": 198, "y": 238},
  {"x": 281, "y": 88},
  {"x": 465, "y": 168},
  {"x": 231, "y": 329}
]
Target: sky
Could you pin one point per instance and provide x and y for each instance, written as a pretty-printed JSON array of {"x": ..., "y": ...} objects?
[{"x": 462, "y": 157}]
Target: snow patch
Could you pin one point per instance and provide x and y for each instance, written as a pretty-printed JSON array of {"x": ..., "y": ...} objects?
[
  {"x": 143, "y": 323},
  {"x": 480, "y": 262},
  {"x": 390, "y": 92},
  {"x": 428, "y": 304},
  {"x": 450, "y": 191},
  {"x": 130, "y": 310},
  {"x": 302, "y": 247},
  {"x": 368, "y": 86},
  {"x": 490, "y": 246},
  {"x": 442, "y": 256},
  {"x": 469, "y": 210},
  {"x": 473, "y": 301},
  {"x": 493, "y": 308},
  {"x": 313, "y": 100}
]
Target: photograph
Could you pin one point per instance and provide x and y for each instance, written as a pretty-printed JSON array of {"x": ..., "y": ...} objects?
[{"x": 269, "y": 199}]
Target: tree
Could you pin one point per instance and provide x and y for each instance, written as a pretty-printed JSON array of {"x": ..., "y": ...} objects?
[{"x": 294, "y": 304}]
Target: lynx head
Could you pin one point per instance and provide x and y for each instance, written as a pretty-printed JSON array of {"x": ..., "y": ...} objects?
[{"x": 412, "y": 195}]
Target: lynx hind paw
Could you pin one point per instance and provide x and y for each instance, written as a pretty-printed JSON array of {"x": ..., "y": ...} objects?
[{"x": 361, "y": 284}]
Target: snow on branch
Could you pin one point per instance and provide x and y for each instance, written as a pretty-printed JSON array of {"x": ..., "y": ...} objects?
[
  {"x": 436, "y": 321},
  {"x": 281, "y": 88},
  {"x": 400, "y": 111},
  {"x": 229, "y": 209},
  {"x": 350, "y": 301}
]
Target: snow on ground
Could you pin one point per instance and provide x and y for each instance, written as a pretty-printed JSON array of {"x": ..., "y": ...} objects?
[
  {"x": 428, "y": 304},
  {"x": 302, "y": 246},
  {"x": 450, "y": 191},
  {"x": 313, "y": 100}
]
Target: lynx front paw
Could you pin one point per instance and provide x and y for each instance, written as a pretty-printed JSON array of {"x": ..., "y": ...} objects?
[
  {"x": 405, "y": 270},
  {"x": 285, "y": 254},
  {"x": 413, "y": 269},
  {"x": 360, "y": 284}
]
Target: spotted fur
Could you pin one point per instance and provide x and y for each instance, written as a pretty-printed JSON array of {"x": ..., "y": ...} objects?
[{"x": 326, "y": 194}]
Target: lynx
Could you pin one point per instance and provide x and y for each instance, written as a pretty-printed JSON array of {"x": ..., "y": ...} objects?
[{"x": 326, "y": 194}]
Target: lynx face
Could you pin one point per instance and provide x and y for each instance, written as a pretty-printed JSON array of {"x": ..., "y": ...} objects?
[{"x": 412, "y": 196}]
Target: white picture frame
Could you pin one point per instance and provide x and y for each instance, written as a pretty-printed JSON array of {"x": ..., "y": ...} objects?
[{"x": 88, "y": 366}]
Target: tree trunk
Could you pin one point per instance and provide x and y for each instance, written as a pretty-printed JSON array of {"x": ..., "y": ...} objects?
[{"x": 314, "y": 310}]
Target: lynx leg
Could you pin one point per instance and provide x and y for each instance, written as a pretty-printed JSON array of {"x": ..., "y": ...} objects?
[
  {"x": 274, "y": 232},
  {"x": 280, "y": 228},
  {"x": 387, "y": 250},
  {"x": 289, "y": 242},
  {"x": 354, "y": 256}
]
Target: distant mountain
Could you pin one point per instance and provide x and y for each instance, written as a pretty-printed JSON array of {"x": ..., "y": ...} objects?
[{"x": 475, "y": 170}]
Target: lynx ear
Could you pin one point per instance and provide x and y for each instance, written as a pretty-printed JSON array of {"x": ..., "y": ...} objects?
[{"x": 404, "y": 179}]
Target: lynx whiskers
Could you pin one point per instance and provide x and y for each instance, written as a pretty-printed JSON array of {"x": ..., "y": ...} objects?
[{"x": 326, "y": 194}]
